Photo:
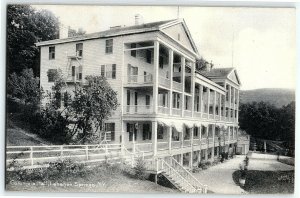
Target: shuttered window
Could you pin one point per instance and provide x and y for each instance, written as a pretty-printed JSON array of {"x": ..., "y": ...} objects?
[
  {"x": 109, "y": 71},
  {"x": 109, "y": 46},
  {"x": 110, "y": 127},
  {"x": 51, "y": 53}
]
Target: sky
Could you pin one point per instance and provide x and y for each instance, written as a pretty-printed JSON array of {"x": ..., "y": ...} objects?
[{"x": 259, "y": 42}]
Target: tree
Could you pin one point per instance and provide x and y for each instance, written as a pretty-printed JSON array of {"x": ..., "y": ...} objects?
[
  {"x": 83, "y": 112},
  {"x": 91, "y": 105},
  {"x": 263, "y": 120},
  {"x": 25, "y": 27},
  {"x": 203, "y": 64},
  {"x": 24, "y": 87},
  {"x": 73, "y": 32}
]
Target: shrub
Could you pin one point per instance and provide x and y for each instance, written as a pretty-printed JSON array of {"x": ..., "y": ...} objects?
[{"x": 140, "y": 169}]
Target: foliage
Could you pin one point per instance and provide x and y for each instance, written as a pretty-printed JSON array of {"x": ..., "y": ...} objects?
[
  {"x": 72, "y": 32},
  {"x": 263, "y": 120},
  {"x": 203, "y": 64},
  {"x": 62, "y": 168},
  {"x": 140, "y": 169},
  {"x": 91, "y": 105},
  {"x": 81, "y": 115},
  {"x": 25, "y": 87},
  {"x": 25, "y": 27}
]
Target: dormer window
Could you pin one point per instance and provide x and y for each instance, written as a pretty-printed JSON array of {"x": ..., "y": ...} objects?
[{"x": 79, "y": 49}]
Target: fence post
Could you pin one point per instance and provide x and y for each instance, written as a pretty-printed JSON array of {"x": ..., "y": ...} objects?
[
  {"x": 61, "y": 151},
  {"x": 31, "y": 156},
  {"x": 87, "y": 152},
  {"x": 106, "y": 149}
]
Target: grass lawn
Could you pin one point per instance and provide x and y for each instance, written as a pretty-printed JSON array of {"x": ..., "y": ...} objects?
[
  {"x": 99, "y": 179},
  {"x": 267, "y": 182}
]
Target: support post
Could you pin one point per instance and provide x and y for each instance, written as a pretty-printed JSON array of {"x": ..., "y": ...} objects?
[
  {"x": 155, "y": 76},
  {"x": 170, "y": 140},
  {"x": 154, "y": 137},
  {"x": 193, "y": 88},
  {"x": 201, "y": 100},
  {"x": 183, "y": 85},
  {"x": 87, "y": 152},
  {"x": 214, "y": 105},
  {"x": 171, "y": 55},
  {"x": 31, "y": 156}
]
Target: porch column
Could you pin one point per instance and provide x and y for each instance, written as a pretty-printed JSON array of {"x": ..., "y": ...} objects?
[
  {"x": 206, "y": 154},
  {"x": 214, "y": 105},
  {"x": 171, "y": 80},
  {"x": 192, "y": 149},
  {"x": 170, "y": 139},
  {"x": 238, "y": 103},
  {"x": 213, "y": 148},
  {"x": 208, "y": 101},
  {"x": 154, "y": 138},
  {"x": 191, "y": 160},
  {"x": 183, "y": 85},
  {"x": 122, "y": 138},
  {"x": 193, "y": 88},
  {"x": 155, "y": 76},
  {"x": 201, "y": 100},
  {"x": 233, "y": 100},
  {"x": 220, "y": 105},
  {"x": 229, "y": 96}
]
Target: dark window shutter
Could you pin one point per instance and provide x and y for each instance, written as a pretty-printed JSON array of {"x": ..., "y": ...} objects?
[
  {"x": 73, "y": 70},
  {"x": 113, "y": 71},
  {"x": 112, "y": 131},
  {"x": 103, "y": 70}
]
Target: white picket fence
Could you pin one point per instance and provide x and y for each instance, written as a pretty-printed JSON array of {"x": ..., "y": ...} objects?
[{"x": 32, "y": 156}]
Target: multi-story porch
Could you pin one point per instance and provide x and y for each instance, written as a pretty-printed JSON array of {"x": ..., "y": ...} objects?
[{"x": 161, "y": 80}]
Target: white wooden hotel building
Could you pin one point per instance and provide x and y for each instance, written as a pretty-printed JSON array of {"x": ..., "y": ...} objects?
[{"x": 166, "y": 107}]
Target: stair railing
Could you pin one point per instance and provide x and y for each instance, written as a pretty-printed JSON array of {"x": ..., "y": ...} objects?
[
  {"x": 186, "y": 174},
  {"x": 179, "y": 178}
]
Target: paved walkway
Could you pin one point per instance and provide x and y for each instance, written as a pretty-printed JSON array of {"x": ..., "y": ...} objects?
[
  {"x": 219, "y": 177},
  {"x": 267, "y": 162}
]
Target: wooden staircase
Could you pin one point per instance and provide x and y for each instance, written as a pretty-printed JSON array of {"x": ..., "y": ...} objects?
[{"x": 181, "y": 178}]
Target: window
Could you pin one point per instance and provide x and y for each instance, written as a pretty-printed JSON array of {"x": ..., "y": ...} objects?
[
  {"x": 132, "y": 130},
  {"x": 216, "y": 151},
  {"x": 133, "y": 52},
  {"x": 161, "y": 62},
  {"x": 203, "y": 132},
  {"x": 148, "y": 56},
  {"x": 109, "y": 71},
  {"x": 79, "y": 49},
  {"x": 176, "y": 100},
  {"x": 187, "y": 134},
  {"x": 196, "y": 132},
  {"x": 146, "y": 132},
  {"x": 160, "y": 132},
  {"x": 147, "y": 101},
  {"x": 178, "y": 37},
  {"x": 51, "y": 53},
  {"x": 109, "y": 46},
  {"x": 110, "y": 127},
  {"x": 51, "y": 73},
  {"x": 73, "y": 71}
]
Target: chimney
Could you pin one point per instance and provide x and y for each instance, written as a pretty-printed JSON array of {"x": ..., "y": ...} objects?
[
  {"x": 138, "y": 19},
  {"x": 63, "y": 32}
]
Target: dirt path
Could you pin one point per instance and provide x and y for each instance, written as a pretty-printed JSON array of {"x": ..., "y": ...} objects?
[{"x": 219, "y": 178}]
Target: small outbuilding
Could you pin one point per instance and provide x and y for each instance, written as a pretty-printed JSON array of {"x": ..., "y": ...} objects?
[{"x": 243, "y": 143}]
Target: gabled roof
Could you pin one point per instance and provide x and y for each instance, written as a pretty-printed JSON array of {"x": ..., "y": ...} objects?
[
  {"x": 220, "y": 73},
  {"x": 147, "y": 27}
]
